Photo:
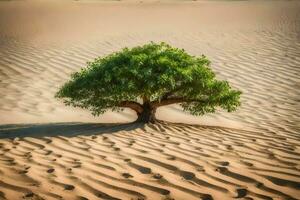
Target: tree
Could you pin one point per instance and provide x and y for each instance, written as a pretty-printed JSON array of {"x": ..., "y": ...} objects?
[{"x": 145, "y": 78}]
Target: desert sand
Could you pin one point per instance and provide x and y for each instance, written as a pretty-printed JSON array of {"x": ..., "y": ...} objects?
[{"x": 50, "y": 151}]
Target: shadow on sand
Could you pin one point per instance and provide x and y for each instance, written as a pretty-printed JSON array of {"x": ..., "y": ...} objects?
[{"x": 64, "y": 129}]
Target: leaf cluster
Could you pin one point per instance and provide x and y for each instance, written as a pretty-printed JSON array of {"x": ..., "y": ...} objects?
[{"x": 157, "y": 73}]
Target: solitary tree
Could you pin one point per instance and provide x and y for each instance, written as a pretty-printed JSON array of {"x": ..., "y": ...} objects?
[{"x": 145, "y": 78}]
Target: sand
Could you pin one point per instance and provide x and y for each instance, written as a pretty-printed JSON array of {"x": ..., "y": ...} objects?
[{"x": 51, "y": 151}]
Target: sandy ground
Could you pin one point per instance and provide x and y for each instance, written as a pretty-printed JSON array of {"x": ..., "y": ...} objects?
[{"x": 253, "y": 153}]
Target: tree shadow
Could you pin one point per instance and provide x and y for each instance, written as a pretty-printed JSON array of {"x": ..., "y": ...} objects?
[{"x": 69, "y": 129}]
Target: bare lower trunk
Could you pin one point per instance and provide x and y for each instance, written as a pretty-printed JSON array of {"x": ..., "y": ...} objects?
[{"x": 147, "y": 115}]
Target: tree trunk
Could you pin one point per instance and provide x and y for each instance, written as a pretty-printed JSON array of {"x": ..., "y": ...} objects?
[{"x": 147, "y": 115}]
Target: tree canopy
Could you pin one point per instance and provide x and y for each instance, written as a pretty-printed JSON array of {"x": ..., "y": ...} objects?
[{"x": 146, "y": 77}]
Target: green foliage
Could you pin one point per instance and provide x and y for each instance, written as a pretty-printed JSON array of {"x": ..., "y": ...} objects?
[{"x": 158, "y": 73}]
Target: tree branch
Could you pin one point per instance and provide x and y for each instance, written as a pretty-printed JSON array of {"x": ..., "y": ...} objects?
[
  {"x": 133, "y": 105},
  {"x": 145, "y": 99}
]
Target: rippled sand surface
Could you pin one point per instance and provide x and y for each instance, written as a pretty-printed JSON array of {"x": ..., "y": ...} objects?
[{"x": 249, "y": 154}]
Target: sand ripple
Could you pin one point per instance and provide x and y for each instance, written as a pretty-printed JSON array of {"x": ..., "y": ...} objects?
[{"x": 161, "y": 161}]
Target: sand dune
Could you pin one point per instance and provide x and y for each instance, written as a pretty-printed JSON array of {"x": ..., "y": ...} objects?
[
  {"x": 161, "y": 161},
  {"x": 250, "y": 154}
]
